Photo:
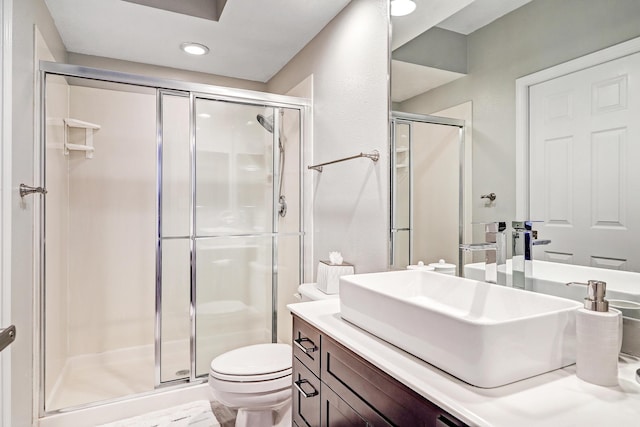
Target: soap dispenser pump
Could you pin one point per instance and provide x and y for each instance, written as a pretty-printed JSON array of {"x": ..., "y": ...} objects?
[{"x": 599, "y": 337}]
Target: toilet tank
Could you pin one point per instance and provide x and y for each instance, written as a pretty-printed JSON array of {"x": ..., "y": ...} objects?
[{"x": 310, "y": 292}]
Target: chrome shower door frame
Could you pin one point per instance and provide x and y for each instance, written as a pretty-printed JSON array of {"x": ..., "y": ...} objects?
[{"x": 180, "y": 88}]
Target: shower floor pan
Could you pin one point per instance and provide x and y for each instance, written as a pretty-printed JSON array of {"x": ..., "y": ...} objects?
[
  {"x": 121, "y": 373},
  {"x": 103, "y": 376}
]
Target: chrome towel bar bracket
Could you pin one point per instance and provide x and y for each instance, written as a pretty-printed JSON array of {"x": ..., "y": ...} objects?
[{"x": 374, "y": 156}]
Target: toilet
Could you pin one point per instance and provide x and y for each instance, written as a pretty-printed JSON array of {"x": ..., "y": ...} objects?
[{"x": 255, "y": 380}]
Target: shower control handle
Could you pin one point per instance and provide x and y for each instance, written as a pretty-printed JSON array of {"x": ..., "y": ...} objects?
[{"x": 299, "y": 342}]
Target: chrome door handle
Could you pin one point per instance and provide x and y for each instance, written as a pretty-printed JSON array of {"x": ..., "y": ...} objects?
[
  {"x": 7, "y": 336},
  {"x": 26, "y": 189}
]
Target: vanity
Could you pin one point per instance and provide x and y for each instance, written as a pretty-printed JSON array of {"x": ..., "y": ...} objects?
[
  {"x": 345, "y": 375},
  {"x": 334, "y": 386}
]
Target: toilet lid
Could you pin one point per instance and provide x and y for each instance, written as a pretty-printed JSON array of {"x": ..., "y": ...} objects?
[{"x": 253, "y": 363}]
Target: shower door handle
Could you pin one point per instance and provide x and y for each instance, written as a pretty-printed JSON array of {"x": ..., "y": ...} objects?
[
  {"x": 27, "y": 189},
  {"x": 7, "y": 336}
]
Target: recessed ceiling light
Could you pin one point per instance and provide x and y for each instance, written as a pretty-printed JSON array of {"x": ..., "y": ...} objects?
[
  {"x": 402, "y": 7},
  {"x": 194, "y": 48}
]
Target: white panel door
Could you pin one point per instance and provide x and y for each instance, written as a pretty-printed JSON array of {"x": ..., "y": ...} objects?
[{"x": 585, "y": 165}]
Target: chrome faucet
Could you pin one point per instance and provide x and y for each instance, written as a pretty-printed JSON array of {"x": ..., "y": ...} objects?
[
  {"x": 524, "y": 238},
  {"x": 495, "y": 249}
]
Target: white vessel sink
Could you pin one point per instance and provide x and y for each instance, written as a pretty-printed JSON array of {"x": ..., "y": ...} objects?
[{"x": 486, "y": 335}]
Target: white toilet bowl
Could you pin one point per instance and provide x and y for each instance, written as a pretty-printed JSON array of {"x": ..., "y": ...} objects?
[{"x": 255, "y": 380}]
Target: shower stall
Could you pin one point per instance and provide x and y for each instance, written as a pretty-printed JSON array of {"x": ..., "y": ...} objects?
[{"x": 171, "y": 231}]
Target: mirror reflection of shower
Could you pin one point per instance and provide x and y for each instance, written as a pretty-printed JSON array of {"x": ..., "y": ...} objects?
[{"x": 267, "y": 123}]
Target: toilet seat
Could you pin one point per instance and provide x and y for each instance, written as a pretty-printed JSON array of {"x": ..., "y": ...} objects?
[
  {"x": 250, "y": 387},
  {"x": 250, "y": 378},
  {"x": 255, "y": 368},
  {"x": 254, "y": 363}
]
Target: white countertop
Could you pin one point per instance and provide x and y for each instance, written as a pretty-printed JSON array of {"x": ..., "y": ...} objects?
[{"x": 555, "y": 399}]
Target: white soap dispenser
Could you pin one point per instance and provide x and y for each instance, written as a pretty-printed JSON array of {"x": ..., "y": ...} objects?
[{"x": 598, "y": 331}]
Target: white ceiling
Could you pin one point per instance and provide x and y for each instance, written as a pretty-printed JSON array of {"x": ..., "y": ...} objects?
[
  {"x": 461, "y": 16},
  {"x": 428, "y": 14},
  {"x": 252, "y": 40},
  {"x": 480, "y": 13}
]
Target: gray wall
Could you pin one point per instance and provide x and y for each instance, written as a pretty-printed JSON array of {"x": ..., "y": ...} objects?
[
  {"x": 349, "y": 63},
  {"x": 539, "y": 35},
  {"x": 437, "y": 48}
]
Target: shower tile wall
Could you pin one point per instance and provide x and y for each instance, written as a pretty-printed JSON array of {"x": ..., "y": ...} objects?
[{"x": 112, "y": 211}]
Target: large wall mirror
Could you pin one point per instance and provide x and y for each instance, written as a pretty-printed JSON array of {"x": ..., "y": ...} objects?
[{"x": 567, "y": 153}]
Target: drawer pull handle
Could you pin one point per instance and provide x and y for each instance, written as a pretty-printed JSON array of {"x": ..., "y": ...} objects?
[
  {"x": 310, "y": 347},
  {"x": 443, "y": 421},
  {"x": 298, "y": 385}
]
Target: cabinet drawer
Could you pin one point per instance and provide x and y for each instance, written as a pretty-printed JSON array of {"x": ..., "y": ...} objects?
[
  {"x": 347, "y": 373},
  {"x": 306, "y": 344},
  {"x": 306, "y": 396},
  {"x": 347, "y": 410}
]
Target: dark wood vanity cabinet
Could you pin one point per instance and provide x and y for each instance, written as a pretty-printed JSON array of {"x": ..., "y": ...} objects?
[
  {"x": 306, "y": 374},
  {"x": 334, "y": 387}
]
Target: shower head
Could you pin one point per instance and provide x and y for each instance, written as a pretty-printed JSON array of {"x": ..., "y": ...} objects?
[{"x": 266, "y": 122}]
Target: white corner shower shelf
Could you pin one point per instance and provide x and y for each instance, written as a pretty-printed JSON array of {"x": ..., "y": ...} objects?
[{"x": 88, "y": 139}]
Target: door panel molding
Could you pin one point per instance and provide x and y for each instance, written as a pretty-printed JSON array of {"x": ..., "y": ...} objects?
[{"x": 522, "y": 109}]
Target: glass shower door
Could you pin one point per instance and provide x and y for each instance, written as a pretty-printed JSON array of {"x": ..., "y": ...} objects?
[
  {"x": 236, "y": 182},
  {"x": 228, "y": 236},
  {"x": 173, "y": 289}
]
